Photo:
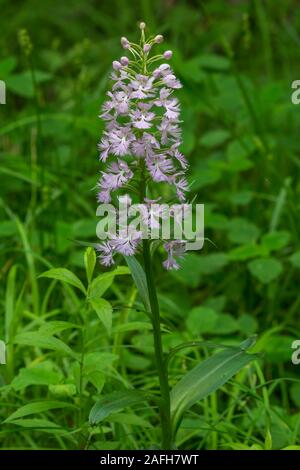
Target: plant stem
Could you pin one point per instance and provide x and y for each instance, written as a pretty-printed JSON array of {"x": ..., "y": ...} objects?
[
  {"x": 158, "y": 348},
  {"x": 162, "y": 367}
]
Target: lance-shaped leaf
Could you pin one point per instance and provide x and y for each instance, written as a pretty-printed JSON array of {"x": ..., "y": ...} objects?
[
  {"x": 207, "y": 377},
  {"x": 113, "y": 403},
  {"x": 64, "y": 275},
  {"x": 140, "y": 280},
  {"x": 104, "y": 311}
]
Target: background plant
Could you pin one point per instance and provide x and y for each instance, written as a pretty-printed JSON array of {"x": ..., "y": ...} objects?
[{"x": 241, "y": 138}]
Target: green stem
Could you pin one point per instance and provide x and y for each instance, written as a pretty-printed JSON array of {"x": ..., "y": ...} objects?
[
  {"x": 165, "y": 413},
  {"x": 161, "y": 365}
]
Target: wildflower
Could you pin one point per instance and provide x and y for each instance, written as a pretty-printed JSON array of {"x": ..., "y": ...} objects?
[
  {"x": 142, "y": 127},
  {"x": 174, "y": 248},
  {"x": 142, "y": 87}
]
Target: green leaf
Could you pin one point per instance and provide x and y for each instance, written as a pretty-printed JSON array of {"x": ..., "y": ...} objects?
[
  {"x": 225, "y": 324},
  {"x": 8, "y": 228},
  {"x": 214, "y": 138},
  {"x": 275, "y": 240},
  {"x": 244, "y": 252},
  {"x": 242, "y": 231},
  {"x": 265, "y": 269},
  {"x": 295, "y": 259},
  {"x": 237, "y": 156},
  {"x": 102, "y": 282},
  {"x": 133, "y": 326},
  {"x": 22, "y": 83},
  {"x": 119, "y": 271},
  {"x": 205, "y": 378},
  {"x": 89, "y": 262},
  {"x": 50, "y": 328},
  {"x": 295, "y": 393},
  {"x": 7, "y": 65},
  {"x": 99, "y": 286},
  {"x": 37, "y": 339},
  {"x": 38, "y": 407},
  {"x": 104, "y": 311},
  {"x": 194, "y": 266},
  {"x": 113, "y": 403},
  {"x": 62, "y": 390},
  {"x": 129, "y": 418},
  {"x": 64, "y": 275},
  {"x": 84, "y": 227},
  {"x": 214, "y": 62},
  {"x": 201, "y": 320},
  {"x": 278, "y": 349},
  {"x": 241, "y": 198},
  {"x": 39, "y": 374},
  {"x": 268, "y": 440},
  {"x": 39, "y": 424},
  {"x": 11, "y": 311},
  {"x": 247, "y": 324},
  {"x": 140, "y": 281},
  {"x": 204, "y": 176}
]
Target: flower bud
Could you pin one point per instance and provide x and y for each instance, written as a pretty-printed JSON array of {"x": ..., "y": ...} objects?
[
  {"x": 116, "y": 65},
  {"x": 164, "y": 67},
  {"x": 142, "y": 25},
  {"x": 125, "y": 43},
  {"x": 158, "y": 39},
  {"x": 167, "y": 55},
  {"x": 146, "y": 48},
  {"x": 124, "y": 60}
]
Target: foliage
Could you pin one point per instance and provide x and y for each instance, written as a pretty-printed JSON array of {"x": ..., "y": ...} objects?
[{"x": 75, "y": 333}]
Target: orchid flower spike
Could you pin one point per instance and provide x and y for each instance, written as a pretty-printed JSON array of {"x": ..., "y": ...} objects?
[{"x": 142, "y": 130}]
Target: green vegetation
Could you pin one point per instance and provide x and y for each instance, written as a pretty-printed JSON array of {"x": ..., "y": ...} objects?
[{"x": 80, "y": 371}]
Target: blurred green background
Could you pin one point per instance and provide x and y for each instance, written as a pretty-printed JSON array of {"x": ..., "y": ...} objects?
[{"x": 236, "y": 60}]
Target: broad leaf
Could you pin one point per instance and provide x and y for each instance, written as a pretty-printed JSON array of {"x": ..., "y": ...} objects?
[
  {"x": 38, "y": 374},
  {"x": 266, "y": 269},
  {"x": 205, "y": 378}
]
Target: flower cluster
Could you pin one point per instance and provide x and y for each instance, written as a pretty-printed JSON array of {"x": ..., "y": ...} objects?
[{"x": 142, "y": 127}]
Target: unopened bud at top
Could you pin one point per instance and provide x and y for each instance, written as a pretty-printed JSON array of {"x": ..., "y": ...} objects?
[
  {"x": 125, "y": 43},
  {"x": 146, "y": 48},
  {"x": 167, "y": 54},
  {"x": 158, "y": 39},
  {"x": 142, "y": 25},
  {"x": 124, "y": 60},
  {"x": 116, "y": 65}
]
